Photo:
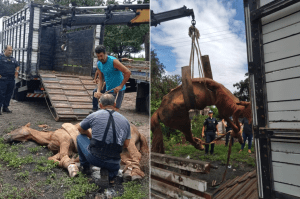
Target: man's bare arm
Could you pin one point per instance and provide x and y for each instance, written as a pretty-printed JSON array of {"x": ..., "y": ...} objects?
[
  {"x": 84, "y": 132},
  {"x": 126, "y": 72}
]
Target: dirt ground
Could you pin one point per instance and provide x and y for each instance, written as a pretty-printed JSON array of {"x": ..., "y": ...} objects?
[{"x": 36, "y": 112}]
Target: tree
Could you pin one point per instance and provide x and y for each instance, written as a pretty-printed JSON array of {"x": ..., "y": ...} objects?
[
  {"x": 122, "y": 39},
  {"x": 161, "y": 84},
  {"x": 242, "y": 89},
  {"x": 7, "y": 8}
]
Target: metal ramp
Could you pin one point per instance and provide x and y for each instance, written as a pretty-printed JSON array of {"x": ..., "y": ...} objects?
[{"x": 70, "y": 95}]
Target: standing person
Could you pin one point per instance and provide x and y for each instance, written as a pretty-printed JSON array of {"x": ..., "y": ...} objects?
[
  {"x": 96, "y": 80},
  {"x": 210, "y": 133},
  {"x": 227, "y": 128},
  {"x": 247, "y": 133},
  {"x": 9, "y": 70},
  {"x": 110, "y": 133},
  {"x": 115, "y": 74}
]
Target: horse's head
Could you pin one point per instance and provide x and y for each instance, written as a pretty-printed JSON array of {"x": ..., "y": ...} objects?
[
  {"x": 19, "y": 134},
  {"x": 247, "y": 110}
]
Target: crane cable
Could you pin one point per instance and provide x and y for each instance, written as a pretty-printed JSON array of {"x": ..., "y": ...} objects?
[{"x": 195, "y": 35}]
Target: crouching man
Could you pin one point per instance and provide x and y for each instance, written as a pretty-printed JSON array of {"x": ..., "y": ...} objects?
[{"x": 110, "y": 133}]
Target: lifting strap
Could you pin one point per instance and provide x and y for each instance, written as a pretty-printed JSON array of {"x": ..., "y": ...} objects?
[{"x": 195, "y": 35}]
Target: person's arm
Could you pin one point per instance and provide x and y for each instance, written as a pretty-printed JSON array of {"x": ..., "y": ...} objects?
[
  {"x": 84, "y": 126},
  {"x": 100, "y": 85},
  {"x": 96, "y": 75},
  {"x": 128, "y": 137},
  {"x": 126, "y": 73},
  {"x": 17, "y": 71},
  {"x": 223, "y": 121},
  {"x": 203, "y": 128}
]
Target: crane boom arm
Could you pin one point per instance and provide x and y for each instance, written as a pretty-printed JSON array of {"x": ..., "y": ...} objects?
[{"x": 170, "y": 15}]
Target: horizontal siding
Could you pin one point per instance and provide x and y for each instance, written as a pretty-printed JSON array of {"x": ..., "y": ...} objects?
[
  {"x": 286, "y": 173},
  {"x": 281, "y": 13},
  {"x": 282, "y": 48},
  {"x": 283, "y": 74},
  {"x": 283, "y": 90},
  {"x": 287, "y": 189},
  {"x": 286, "y": 157},
  {"x": 285, "y": 125},
  {"x": 284, "y": 116},
  {"x": 284, "y": 106},
  {"x": 281, "y": 33},
  {"x": 264, "y": 2},
  {"x": 285, "y": 147},
  {"x": 281, "y": 23}
]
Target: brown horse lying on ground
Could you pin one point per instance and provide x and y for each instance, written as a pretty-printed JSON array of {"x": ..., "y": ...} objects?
[
  {"x": 174, "y": 114},
  {"x": 62, "y": 143}
]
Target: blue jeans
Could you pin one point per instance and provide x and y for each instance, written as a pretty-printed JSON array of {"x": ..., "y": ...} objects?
[
  {"x": 245, "y": 136},
  {"x": 6, "y": 90},
  {"x": 86, "y": 158},
  {"x": 118, "y": 103}
]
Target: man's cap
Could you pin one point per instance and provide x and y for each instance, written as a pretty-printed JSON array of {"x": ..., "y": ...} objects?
[{"x": 210, "y": 112}]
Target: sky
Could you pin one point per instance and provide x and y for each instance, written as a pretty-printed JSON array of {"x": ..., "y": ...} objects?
[{"x": 222, "y": 37}]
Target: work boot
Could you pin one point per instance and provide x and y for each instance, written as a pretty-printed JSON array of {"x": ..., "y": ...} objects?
[{"x": 5, "y": 109}]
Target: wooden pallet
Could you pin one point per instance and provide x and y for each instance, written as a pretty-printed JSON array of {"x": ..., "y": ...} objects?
[{"x": 70, "y": 95}]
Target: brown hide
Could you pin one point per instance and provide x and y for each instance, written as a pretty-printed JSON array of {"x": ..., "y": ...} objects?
[{"x": 174, "y": 114}]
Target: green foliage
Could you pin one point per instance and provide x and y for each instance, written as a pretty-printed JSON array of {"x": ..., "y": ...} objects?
[
  {"x": 161, "y": 84},
  {"x": 44, "y": 165},
  {"x": 216, "y": 112},
  {"x": 9, "y": 129},
  {"x": 123, "y": 40},
  {"x": 11, "y": 192},
  {"x": 133, "y": 190},
  {"x": 220, "y": 152},
  {"x": 78, "y": 187},
  {"x": 34, "y": 149},
  {"x": 197, "y": 125},
  {"x": 23, "y": 176},
  {"x": 242, "y": 89}
]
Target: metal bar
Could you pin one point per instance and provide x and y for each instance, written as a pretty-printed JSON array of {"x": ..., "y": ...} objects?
[
  {"x": 181, "y": 163},
  {"x": 256, "y": 68},
  {"x": 117, "y": 7},
  {"x": 170, "y": 15},
  {"x": 271, "y": 8}
]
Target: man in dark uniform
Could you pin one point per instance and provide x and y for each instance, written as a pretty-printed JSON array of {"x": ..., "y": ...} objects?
[
  {"x": 210, "y": 133},
  {"x": 227, "y": 128},
  {"x": 9, "y": 69}
]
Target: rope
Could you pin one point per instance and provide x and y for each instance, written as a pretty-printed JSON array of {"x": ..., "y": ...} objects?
[
  {"x": 55, "y": 118},
  {"x": 195, "y": 35}
]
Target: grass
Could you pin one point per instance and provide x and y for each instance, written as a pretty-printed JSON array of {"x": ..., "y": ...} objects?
[
  {"x": 35, "y": 149},
  {"x": 220, "y": 152},
  {"x": 9, "y": 129},
  {"x": 74, "y": 187},
  {"x": 133, "y": 190}
]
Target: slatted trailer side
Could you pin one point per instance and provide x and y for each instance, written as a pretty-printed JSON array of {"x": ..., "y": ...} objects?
[{"x": 273, "y": 44}]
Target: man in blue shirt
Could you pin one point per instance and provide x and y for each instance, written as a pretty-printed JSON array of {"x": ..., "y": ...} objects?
[
  {"x": 115, "y": 74},
  {"x": 110, "y": 133},
  {"x": 9, "y": 70}
]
